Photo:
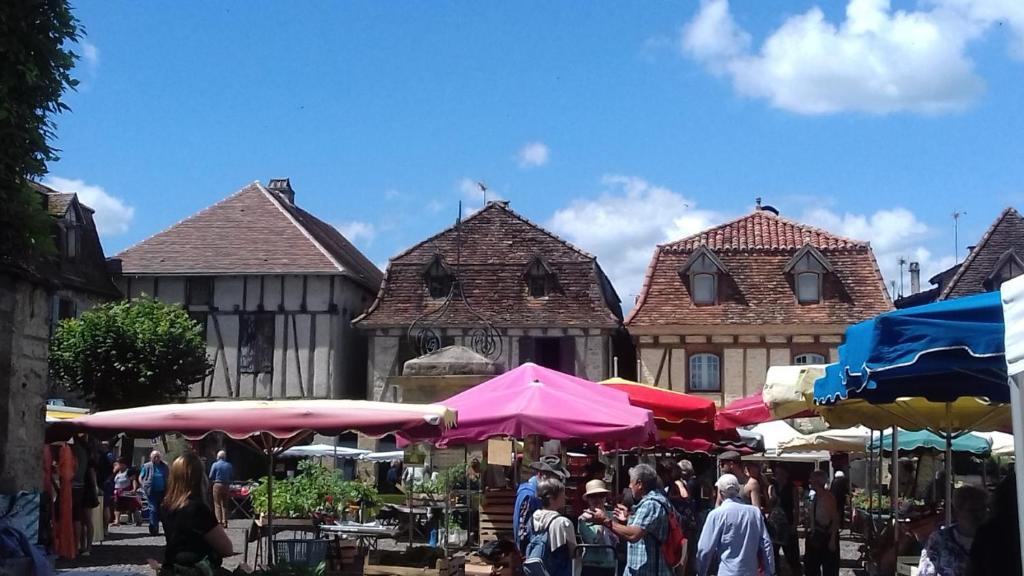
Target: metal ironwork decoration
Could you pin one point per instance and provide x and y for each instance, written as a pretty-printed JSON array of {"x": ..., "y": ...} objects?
[{"x": 482, "y": 337}]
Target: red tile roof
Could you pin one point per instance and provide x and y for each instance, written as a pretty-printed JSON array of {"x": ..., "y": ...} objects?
[
  {"x": 755, "y": 250},
  {"x": 1007, "y": 232},
  {"x": 253, "y": 231},
  {"x": 493, "y": 248},
  {"x": 762, "y": 230}
]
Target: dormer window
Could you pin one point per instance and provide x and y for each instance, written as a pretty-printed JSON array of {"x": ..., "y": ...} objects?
[
  {"x": 701, "y": 273},
  {"x": 1008, "y": 266},
  {"x": 71, "y": 234},
  {"x": 438, "y": 279},
  {"x": 808, "y": 267},
  {"x": 540, "y": 278}
]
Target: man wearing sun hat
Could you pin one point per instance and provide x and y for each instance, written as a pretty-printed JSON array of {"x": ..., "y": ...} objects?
[
  {"x": 597, "y": 561},
  {"x": 527, "y": 501}
]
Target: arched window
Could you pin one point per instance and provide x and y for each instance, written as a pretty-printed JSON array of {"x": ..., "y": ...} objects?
[
  {"x": 704, "y": 288},
  {"x": 808, "y": 358},
  {"x": 705, "y": 373}
]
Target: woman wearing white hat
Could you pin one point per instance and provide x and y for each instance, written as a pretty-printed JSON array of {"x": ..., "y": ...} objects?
[{"x": 598, "y": 561}]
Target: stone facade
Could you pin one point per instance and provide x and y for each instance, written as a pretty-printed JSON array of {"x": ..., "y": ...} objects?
[{"x": 24, "y": 339}]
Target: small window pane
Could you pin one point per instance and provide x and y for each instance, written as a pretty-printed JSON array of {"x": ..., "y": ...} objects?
[
  {"x": 199, "y": 291},
  {"x": 808, "y": 287},
  {"x": 704, "y": 373},
  {"x": 704, "y": 288},
  {"x": 809, "y": 358},
  {"x": 538, "y": 286}
]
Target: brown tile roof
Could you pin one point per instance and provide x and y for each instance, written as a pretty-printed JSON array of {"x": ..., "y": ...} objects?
[
  {"x": 1007, "y": 232},
  {"x": 497, "y": 245},
  {"x": 253, "y": 231},
  {"x": 755, "y": 249}
]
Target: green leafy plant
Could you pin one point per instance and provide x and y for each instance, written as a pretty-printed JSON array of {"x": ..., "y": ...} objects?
[
  {"x": 125, "y": 354},
  {"x": 315, "y": 490},
  {"x": 36, "y": 60}
]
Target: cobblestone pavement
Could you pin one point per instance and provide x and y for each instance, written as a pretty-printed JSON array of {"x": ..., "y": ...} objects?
[{"x": 127, "y": 549}]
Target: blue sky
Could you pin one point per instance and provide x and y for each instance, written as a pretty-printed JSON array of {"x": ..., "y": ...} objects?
[{"x": 619, "y": 126}]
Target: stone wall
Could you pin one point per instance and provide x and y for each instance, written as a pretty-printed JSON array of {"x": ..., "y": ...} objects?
[
  {"x": 743, "y": 359},
  {"x": 25, "y": 311}
]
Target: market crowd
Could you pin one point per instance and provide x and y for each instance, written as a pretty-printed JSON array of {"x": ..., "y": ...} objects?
[{"x": 666, "y": 523}]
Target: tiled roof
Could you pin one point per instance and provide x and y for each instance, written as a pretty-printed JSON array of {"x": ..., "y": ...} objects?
[
  {"x": 489, "y": 252},
  {"x": 762, "y": 230},
  {"x": 253, "y": 231},
  {"x": 755, "y": 250},
  {"x": 1006, "y": 232}
]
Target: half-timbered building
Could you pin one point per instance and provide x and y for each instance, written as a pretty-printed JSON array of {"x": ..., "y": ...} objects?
[
  {"x": 275, "y": 289},
  {"x": 719, "y": 307}
]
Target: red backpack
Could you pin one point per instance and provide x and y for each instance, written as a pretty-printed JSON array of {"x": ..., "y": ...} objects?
[{"x": 672, "y": 548}]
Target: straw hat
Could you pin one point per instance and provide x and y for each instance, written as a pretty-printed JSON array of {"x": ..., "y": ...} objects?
[{"x": 595, "y": 487}]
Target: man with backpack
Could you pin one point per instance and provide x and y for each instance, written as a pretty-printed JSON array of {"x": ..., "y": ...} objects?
[
  {"x": 652, "y": 532},
  {"x": 527, "y": 501},
  {"x": 735, "y": 535},
  {"x": 552, "y": 542}
]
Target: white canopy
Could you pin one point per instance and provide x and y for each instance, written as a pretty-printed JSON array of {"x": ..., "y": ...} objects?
[
  {"x": 1002, "y": 443},
  {"x": 383, "y": 456},
  {"x": 325, "y": 450},
  {"x": 851, "y": 440},
  {"x": 777, "y": 433},
  {"x": 1013, "y": 318}
]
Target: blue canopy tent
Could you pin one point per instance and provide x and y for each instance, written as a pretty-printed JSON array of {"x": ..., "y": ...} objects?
[
  {"x": 913, "y": 440},
  {"x": 941, "y": 352}
]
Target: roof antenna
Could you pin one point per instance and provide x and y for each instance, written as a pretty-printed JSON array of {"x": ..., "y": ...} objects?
[
  {"x": 483, "y": 189},
  {"x": 903, "y": 262},
  {"x": 956, "y": 235},
  {"x": 758, "y": 201}
]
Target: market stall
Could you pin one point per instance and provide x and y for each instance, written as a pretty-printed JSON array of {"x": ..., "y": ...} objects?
[{"x": 270, "y": 427}]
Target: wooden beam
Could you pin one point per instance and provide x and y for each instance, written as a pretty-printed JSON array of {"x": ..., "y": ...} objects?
[
  {"x": 223, "y": 354},
  {"x": 298, "y": 361},
  {"x": 311, "y": 363}
]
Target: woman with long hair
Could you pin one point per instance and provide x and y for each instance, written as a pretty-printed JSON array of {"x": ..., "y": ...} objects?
[{"x": 194, "y": 537}]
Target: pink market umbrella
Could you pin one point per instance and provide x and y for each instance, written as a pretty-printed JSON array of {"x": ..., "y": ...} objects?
[
  {"x": 269, "y": 426},
  {"x": 270, "y": 423},
  {"x": 533, "y": 400}
]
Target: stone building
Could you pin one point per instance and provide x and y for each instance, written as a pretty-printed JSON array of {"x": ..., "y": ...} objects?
[
  {"x": 275, "y": 288},
  {"x": 997, "y": 257},
  {"x": 501, "y": 286},
  {"x": 719, "y": 307},
  {"x": 34, "y": 296}
]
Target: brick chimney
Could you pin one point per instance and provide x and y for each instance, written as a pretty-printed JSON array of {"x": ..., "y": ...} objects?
[
  {"x": 915, "y": 277},
  {"x": 283, "y": 188}
]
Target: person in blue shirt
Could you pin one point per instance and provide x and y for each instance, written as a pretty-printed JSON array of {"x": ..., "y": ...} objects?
[
  {"x": 221, "y": 475},
  {"x": 527, "y": 501},
  {"x": 153, "y": 477},
  {"x": 735, "y": 535},
  {"x": 646, "y": 528}
]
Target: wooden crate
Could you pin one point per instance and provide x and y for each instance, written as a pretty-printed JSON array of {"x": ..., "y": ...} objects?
[
  {"x": 450, "y": 566},
  {"x": 496, "y": 514}
]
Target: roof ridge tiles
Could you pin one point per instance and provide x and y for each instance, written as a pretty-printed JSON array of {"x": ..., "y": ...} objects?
[{"x": 747, "y": 225}]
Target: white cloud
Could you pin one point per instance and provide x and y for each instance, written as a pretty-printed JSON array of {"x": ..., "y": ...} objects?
[
  {"x": 356, "y": 230},
  {"x": 90, "y": 54},
  {"x": 877, "y": 60},
  {"x": 894, "y": 234},
  {"x": 625, "y": 223},
  {"x": 533, "y": 155},
  {"x": 112, "y": 215}
]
